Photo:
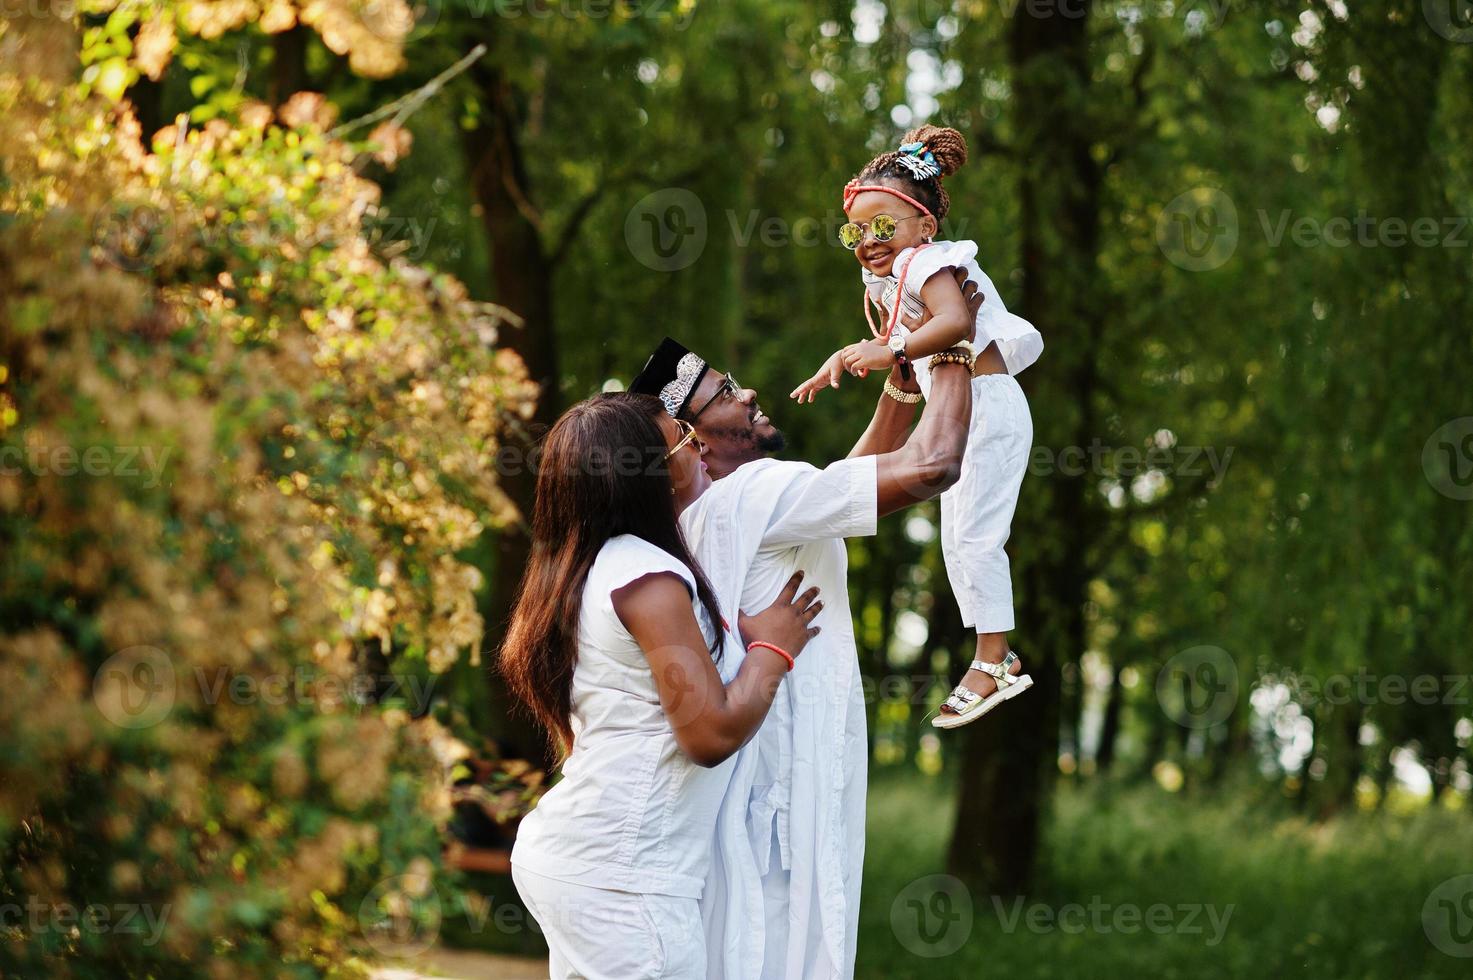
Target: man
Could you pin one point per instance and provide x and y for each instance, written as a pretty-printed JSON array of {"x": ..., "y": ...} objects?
[{"x": 783, "y": 897}]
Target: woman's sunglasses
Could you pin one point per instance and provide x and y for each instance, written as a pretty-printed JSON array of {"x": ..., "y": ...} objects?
[
  {"x": 687, "y": 435},
  {"x": 882, "y": 226}
]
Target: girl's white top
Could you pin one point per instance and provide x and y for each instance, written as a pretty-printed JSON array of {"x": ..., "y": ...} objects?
[
  {"x": 632, "y": 811},
  {"x": 1017, "y": 340}
]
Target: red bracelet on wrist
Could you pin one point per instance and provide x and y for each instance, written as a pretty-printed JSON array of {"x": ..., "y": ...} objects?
[{"x": 775, "y": 649}]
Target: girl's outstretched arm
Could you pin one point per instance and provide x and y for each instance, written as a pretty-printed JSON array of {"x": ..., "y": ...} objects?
[{"x": 827, "y": 377}]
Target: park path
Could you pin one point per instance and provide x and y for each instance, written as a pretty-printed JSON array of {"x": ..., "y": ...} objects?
[{"x": 459, "y": 964}]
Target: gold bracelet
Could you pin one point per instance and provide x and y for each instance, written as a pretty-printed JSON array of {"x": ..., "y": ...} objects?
[
  {"x": 903, "y": 397},
  {"x": 954, "y": 355}
]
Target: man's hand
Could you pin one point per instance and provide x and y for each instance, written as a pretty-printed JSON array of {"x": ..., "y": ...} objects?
[
  {"x": 866, "y": 356},
  {"x": 827, "y": 377}
]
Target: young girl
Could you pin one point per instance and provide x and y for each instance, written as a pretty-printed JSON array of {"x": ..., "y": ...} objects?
[{"x": 895, "y": 207}]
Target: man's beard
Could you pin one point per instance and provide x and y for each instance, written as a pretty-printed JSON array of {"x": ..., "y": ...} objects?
[{"x": 740, "y": 439}]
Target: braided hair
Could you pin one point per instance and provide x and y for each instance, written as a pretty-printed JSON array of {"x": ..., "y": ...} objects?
[{"x": 949, "y": 148}]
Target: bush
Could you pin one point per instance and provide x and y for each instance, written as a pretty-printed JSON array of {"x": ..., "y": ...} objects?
[{"x": 239, "y": 453}]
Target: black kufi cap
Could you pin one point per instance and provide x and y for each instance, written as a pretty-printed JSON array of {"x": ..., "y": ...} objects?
[{"x": 671, "y": 374}]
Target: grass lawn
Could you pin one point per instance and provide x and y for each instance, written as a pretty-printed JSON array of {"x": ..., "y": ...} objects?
[
  {"x": 1146, "y": 884},
  {"x": 1137, "y": 883}
]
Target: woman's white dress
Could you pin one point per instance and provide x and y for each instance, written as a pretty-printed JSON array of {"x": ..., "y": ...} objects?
[{"x": 613, "y": 859}]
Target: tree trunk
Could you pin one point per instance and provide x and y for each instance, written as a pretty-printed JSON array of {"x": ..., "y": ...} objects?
[
  {"x": 1110, "y": 724},
  {"x": 521, "y": 274},
  {"x": 948, "y": 633},
  {"x": 289, "y": 63},
  {"x": 1301, "y": 797},
  {"x": 1236, "y": 746},
  {"x": 1155, "y": 749},
  {"x": 147, "y": 97},
  {"x": 1384, "y": 777},
  {"x": 886, "y": 575},
  {"x": 1071, "y": 711},
  {"x": 1341, "y": 750},
  {"x": 1008, "y": 772},
  {"x": 1184, "y": 733}
]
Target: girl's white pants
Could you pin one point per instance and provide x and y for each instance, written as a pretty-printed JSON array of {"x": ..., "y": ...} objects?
[{"x": 977, "y": 512}]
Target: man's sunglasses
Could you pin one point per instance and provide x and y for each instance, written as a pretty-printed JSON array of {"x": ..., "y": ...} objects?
[
  {"x": 729, "y": 386},
  {"x": 687, "y": 435},
  {"x": 882, "y": 226}
]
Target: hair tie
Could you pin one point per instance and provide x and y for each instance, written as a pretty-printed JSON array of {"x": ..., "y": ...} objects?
[{"x": 920, "y": 161}]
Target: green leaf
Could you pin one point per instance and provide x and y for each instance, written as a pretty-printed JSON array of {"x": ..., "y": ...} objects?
[
  {"x": 122, "y": 18},
  {"x": 114, "y": 76}
]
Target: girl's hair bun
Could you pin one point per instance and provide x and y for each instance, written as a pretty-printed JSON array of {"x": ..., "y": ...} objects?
[{"x": 947, "y": 145}]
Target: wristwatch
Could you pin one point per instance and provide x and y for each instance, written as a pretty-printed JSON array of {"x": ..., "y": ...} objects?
[{"x": 896, "y": 343}]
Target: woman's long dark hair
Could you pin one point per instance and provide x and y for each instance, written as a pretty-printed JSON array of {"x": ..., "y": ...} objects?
[{"x": 602, "y": 473}]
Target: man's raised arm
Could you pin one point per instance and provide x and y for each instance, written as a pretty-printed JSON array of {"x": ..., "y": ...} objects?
[
  {"x": 845, "y": 498},
  {"x": 891, "y": 422},
  {"x": 931, "y": 459}
]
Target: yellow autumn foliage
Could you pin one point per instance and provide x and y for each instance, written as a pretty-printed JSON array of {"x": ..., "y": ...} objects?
[{"x": 241, "y": 455}]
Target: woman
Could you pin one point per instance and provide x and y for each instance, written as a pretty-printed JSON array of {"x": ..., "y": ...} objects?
[{"x": 615, "y": 644}]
